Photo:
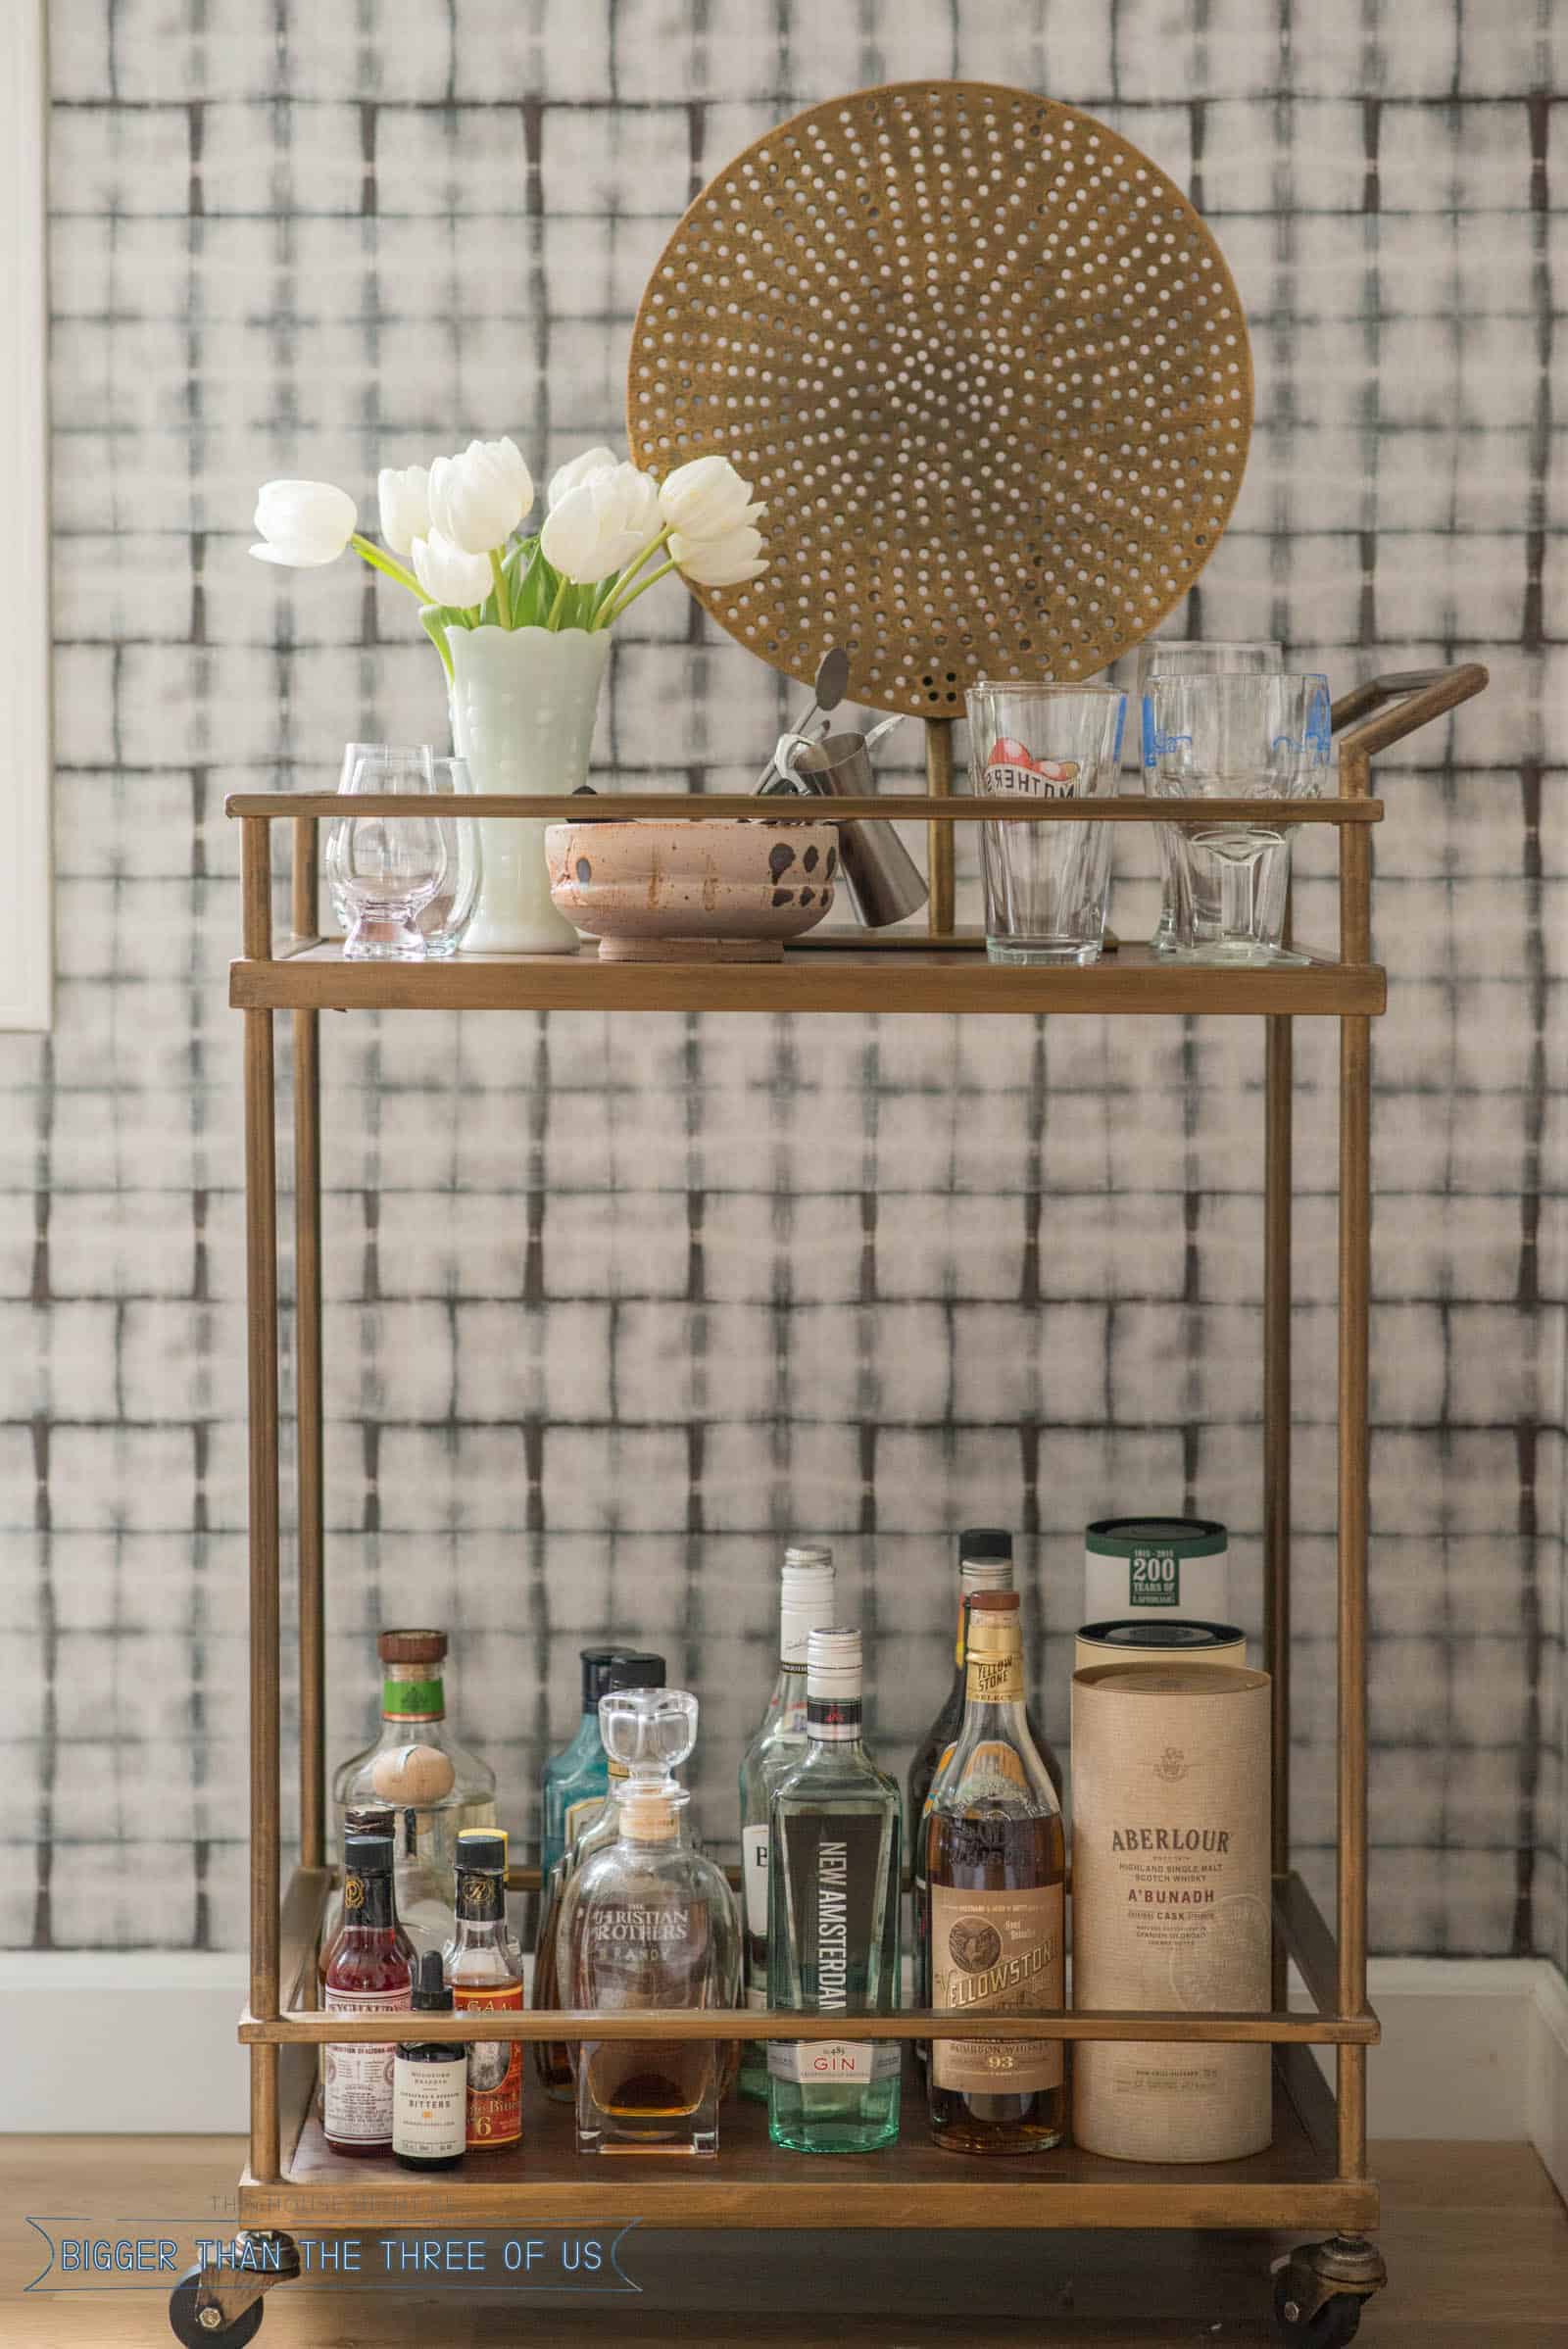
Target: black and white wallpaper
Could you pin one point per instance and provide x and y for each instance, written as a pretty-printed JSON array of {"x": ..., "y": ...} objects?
[{"x": 616, "y": 1307}]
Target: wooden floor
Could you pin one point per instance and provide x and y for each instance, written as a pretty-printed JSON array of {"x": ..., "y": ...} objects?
[{"x": 1476, "y": 2240}]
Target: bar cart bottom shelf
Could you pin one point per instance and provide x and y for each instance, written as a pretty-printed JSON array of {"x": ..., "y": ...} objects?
[{"x": 1293, "y": 2185}]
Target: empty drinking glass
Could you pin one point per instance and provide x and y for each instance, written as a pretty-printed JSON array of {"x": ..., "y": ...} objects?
[
  {"x": 1045, "y": 884},
  {"x": 1231, "y": 737},
  {"x": 1186, "y": 657},
  {"x": 388, "y": 869}
]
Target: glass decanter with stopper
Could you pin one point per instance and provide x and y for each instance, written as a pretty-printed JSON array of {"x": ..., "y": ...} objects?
[
  {"x": 650, "y": 1922},
  {"x": 647, "y": 1732},
  {"x": 996, "y": 1869},
  {"x": 834, "y": 1898},
  {"x": 434, "y": 1784},
  {"x": 806, "y": 1601}
]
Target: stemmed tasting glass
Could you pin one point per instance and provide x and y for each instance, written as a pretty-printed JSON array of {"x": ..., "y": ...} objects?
[
  {"x": 448, "y": 914},
  {"x": 1186, "y": 657},
  {"x": 389, "y": 868},
  {"x": 1233, "y": 737}
]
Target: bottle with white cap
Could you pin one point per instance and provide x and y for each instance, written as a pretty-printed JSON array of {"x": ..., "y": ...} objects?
[
  {"x": 806, "y": 1599},
  {"x": 834, "y": 1835}
]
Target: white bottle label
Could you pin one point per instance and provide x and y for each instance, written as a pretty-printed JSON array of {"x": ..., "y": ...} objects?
[
  {"x": 429, "y": 2108},
  {"x": 831, "y": 2061},
  {"x": 754, "y": 1856},
  {"x": 358, "y": 2086}
]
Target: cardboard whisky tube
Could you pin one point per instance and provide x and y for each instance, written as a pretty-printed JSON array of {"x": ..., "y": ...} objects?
[
  {"x": 1184, "y": 1643},
  {"x": 1170, "y": 1884}
]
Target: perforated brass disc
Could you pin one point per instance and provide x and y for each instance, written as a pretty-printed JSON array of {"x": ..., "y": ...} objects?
[{"x": 985, "y": 363}]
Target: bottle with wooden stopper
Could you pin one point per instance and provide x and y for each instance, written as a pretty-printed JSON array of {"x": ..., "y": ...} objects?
[
  {"x": 435, "y": 1786},
  {"x": 996, "y": 1871}
]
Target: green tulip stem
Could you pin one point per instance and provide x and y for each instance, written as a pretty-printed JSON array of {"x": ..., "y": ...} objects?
[
  {"x": 498, "y": 572},
  {"x": 560, "y": 596},
  {"x": 379, "y": 559},
  {"x": 619, "y": 602}
]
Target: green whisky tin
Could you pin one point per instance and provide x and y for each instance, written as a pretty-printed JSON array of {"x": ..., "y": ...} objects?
[{"x": 1172, "y": 1566}]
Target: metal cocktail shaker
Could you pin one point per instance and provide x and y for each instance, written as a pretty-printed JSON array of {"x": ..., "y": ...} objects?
[{"x": 882, "y": 877}]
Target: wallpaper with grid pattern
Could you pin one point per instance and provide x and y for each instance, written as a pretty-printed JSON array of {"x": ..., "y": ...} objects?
[{"x": 616, "y": 1307}]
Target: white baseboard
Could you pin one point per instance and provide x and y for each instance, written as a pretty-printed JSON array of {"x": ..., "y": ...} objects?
[{"x": 99, "y": 2042}]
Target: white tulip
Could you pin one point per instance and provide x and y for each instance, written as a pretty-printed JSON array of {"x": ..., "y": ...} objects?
[
  {"x": 567, "y": 476},
  {"x": 602, "y": 524},
  {"x": 720, "y": 562},
  {"x": 479, "y": 499},
  {"x": 707, "y": 500},
  {"x": 449, "y": 575},
  {"x": 404, "y": 500},
  {"x": 303, "y": 523}
]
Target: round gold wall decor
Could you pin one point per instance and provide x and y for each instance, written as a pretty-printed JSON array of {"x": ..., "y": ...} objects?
[{"x": 985, "y": 363}]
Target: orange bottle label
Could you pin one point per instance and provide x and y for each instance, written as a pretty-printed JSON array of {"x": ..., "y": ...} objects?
[{"x": 495, "y": 2070}]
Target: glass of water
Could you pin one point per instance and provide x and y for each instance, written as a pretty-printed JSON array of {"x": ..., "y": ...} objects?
[
  {"x": 1046, "y": 884},
  {"x": 1233, "y": 738},
  {"x": 1186, "y": 656}
]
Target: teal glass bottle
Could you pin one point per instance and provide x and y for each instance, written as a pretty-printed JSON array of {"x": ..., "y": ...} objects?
[
  {"x": 575, "y": 1781},
  {"x": 834, "y": 1825}
]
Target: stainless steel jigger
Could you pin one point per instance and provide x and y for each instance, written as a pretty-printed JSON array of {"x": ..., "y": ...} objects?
[{"x": 884, "y": 881}]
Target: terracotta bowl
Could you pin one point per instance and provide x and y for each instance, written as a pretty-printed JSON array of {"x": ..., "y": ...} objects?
[{"x": 727, "y": 890}]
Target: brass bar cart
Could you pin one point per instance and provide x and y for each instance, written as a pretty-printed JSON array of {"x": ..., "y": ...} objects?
[{"x": 1314, "y": 2175}]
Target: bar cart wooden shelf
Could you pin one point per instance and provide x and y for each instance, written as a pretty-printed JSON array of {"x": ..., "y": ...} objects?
[{"x": 1314, "y": 2174}]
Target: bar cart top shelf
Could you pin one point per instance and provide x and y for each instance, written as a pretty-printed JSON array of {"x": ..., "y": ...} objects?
[{"x": 838, "y": 975}]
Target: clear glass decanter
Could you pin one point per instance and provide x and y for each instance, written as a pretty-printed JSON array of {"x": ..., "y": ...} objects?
[
  {"x": 436, "y": 1787},
  {"x": 833, "y": 1919},
  {"x": 650, "y": 1922},
  {"x": 806, "y": 1600},
  {"x": 647, "y": 1732}
]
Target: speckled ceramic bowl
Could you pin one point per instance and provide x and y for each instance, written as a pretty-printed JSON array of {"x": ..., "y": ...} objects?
[{"x": 728, "y": 890}]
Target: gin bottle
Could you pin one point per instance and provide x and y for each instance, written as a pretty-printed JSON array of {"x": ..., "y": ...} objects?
[
  {"x": 435, "y": 1785},
  {"x": 833, "y": 1919},
  {"x": 806, "y": 1600},
  {"x": 996, "y": 1865},
  {"x": 650, "y": 1922}
]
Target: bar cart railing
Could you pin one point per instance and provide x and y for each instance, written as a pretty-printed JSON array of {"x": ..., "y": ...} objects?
[{"x": 1315, "y": 2173}]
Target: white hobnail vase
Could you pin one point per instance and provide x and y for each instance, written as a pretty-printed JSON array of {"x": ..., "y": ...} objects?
[{"x": 523, "y": 704}]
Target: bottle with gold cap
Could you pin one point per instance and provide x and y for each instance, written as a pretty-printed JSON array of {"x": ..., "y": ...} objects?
[
  {"x": 651, "y": 1921},
  {"x": 436, "y": 1786},
  {"x": 484, "y": 1974},
  {"x": 996, "y": 1870}
]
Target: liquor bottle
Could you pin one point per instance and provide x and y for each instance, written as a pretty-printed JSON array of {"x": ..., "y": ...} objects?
[
  {"x": 368, "y": 1976},
  {"x": 643, "y": 1730},
  {"x": 435, "y": 1785},
  {"x": 650, "y": 1922},
  {"x": 575, "y": 1780},
  {"x": 484, "y": 1974},
  {"x": 806, "y": 1600},
  {"x": 369, "y": 1819},
  {"x": 996, "y": 1865},
  {"x": 430, "y": 2084},
  {"x": 985, "y": 1563},
  {"x": 833, "y": 1919}
]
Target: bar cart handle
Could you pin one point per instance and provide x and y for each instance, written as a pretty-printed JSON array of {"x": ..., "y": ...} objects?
[{"x": 1417, "y": 697}]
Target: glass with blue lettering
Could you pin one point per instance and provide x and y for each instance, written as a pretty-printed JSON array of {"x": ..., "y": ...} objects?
[
  {"x": 1046, "y": 884},
  {"x": 1186, "y": 657},
  {"x": 1237, "y": 738}
]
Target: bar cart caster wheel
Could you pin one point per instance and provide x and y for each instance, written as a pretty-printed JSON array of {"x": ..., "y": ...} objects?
[
  {"x": 1320, "y": 2289},
  {"x": 221, "y": 2307}
]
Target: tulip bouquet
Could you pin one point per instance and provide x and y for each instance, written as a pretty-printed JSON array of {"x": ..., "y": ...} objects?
[{"x": 451, "y": 534}]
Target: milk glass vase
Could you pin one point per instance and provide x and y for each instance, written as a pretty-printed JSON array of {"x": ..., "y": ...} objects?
[{"x": 524, "y": 706}]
